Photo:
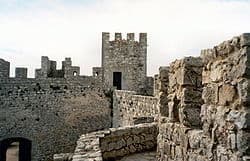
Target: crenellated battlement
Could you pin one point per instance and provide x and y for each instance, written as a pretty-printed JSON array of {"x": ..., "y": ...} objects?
[
  {"x": 130, "y": 38},
  {"x": 124, "y": 62}
]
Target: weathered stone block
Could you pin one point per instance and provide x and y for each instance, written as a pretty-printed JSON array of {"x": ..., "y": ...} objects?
[
  {"x": 189, "y": 95},
  {"x": 210, "y": 94},
  {"x": 226, "y": 94},
  {"x": 190, "y": 115},
  {"x": 163, "y": 104},
  {"x": 240, "y": 119},
  {"x": 194, "y": 138},
  {"x": 243, "y": 88}
]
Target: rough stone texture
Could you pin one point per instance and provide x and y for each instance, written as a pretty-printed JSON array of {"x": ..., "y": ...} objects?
[
  {"x": 97, "y": 72},
  {"x": 116, "y": 142},
  {"x": 224, "y": 115},
  {"x": 4, "y": 69},
  {"x": 201, "y": 105},
  {"x": 128, "y": 57},
  {"x": 52, "y": 113},
  {"x": 128, "y": 108},
  {"x": 63, "y": 157},
  {"x": 162, "y": 93},
  {"x": 184, "y": 92}
]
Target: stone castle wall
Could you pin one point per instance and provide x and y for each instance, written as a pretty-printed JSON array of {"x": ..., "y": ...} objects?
[
  {"x": 224, "y": 114},
  {"x": 51, "y": 112},
  {"x": 128, "y": 57},
  {"x": 130, "y": 109}
]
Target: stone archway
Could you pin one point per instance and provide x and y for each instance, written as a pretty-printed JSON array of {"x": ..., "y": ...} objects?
[{"x": 24, "y": 148}]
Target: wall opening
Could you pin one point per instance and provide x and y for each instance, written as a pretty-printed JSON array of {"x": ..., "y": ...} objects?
[
  {"x": 12, "y": 153},
  {"x": 15, "y": 149},
  {"x": 96, "y": 74},
  {"x": 117, "y": 80},
  {"x": 74, "y": 73}
]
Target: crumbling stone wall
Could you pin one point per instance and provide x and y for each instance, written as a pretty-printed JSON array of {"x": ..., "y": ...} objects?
[
  {"x": 52, "y": 113},
  {"x": 184, "y": 92},
  {"x": 224, "y": 115},
  {"x": 116, "y": 142},
  {"x": 129, "y": 108},
  {"x": 128, "y": 57},
  {"x": 48, "y": 69}
]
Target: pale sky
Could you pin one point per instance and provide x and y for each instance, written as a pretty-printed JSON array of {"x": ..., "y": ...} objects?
[{"x": 30, "y": 29}]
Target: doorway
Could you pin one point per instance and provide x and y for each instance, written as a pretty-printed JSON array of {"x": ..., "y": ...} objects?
[
  {"x": 117, "y": 80},
  {"x": 15, "y": 149}
]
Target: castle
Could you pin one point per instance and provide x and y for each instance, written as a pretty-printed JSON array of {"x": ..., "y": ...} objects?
[{"x": 195, "y": 109}]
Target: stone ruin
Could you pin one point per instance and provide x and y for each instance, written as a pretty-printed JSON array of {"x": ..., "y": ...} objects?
[{"x": 195, "y": 109}]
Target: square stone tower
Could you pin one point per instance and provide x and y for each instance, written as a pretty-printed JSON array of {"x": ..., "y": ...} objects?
[{"x": 124, "y": 62}]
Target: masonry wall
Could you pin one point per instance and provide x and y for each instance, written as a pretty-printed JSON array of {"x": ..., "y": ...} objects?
[
  {"x": 52, "y": 113},
  {"x": 115, "y": 143},
  {"x": 225, "y": 112},
  {"x": 128, "y": 57},
  {"x": 130, "y": 109},
  {"x": 224, "y": 115}
]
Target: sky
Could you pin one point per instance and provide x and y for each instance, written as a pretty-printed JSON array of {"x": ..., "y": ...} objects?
[{"x": 30, "y": 29}]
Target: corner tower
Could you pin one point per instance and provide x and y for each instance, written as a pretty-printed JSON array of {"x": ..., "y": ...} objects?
[{"x": 124, "y": 62}]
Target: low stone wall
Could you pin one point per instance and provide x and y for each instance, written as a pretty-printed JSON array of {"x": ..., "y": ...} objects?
[
  {"x": 128, "y": 107},
  {"x": 51, "y": 113},
  {"x": 116, "y": 142},
  {"x": 178, "y": 142}
]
